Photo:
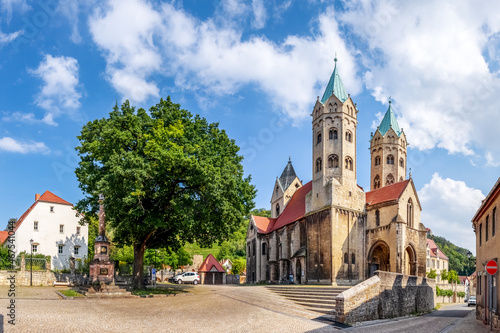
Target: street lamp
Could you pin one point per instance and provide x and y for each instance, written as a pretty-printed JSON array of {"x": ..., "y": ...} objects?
[{"x": 31, "y": 264}]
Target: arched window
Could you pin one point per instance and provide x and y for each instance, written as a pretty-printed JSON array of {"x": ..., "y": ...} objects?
[
  {"x": 401, "y": 178},
  {"x": 348, "y": 136},
  {"x": 333, "y": 161},
  {"x": 353, "y": 258},
  {"x": 335, "y": 107},
  {"x": 377, "y": 218},
  {"x": 376, "y": 182},
  {"x": 318, "y": 138},
  {"x": 318, "y": 165},
  {"x": 333, "y": 134},
  {"x": 277, "y": 210},
  {"x": 409, "y": 212},
  {"x": 389, "y": 180},
  {"x": 348, "y": 163},
  {"x": 377, "y": 160},
  {"x": 346, "y": 258},
  {"x": 390, "y": 159},
  {"x": 277, "y": 189},
  {"x": 317, "y": 113},
  {"x": 264, "y": 247},
  {"x": 401, "y": 162}
]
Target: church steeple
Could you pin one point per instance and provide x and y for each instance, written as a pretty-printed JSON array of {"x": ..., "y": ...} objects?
[
  {"x": 335, "y": 87},
  {"x": 284, "y": 188},
  {"x": 388, "y": 152}
]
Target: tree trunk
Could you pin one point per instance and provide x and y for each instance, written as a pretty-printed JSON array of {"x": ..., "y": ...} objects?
[{"x": 138, "y": 282}]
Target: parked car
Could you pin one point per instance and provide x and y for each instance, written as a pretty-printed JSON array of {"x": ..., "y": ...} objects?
[
  {"x": 188, "y": 277},
  {"x": 471, "y": 301}
]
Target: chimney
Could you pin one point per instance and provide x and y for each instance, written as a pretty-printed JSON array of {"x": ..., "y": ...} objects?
[{"x": 37, "y": 196}]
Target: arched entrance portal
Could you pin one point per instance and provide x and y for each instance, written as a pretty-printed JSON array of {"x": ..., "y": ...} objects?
[
  {"x": 410, "y": 264},
  {"x": 378, "y": 258},
  {"x": 298, "y": 272}
]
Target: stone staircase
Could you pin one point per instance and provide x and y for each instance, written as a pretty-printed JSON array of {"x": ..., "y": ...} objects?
[
  {"x": 320, "y": 299},
  {"x": 106, "y": 291}
]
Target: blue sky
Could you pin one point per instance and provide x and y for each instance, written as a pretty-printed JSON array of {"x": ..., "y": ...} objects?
[{"x": 256, "y": 67}]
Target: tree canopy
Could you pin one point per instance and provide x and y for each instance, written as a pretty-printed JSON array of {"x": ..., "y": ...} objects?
[
  {"x": 167, "y": 177},
  {"x": 458, "y": 259}
]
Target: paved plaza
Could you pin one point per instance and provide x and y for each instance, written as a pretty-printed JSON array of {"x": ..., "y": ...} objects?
[{"x": 201, "y": 309}]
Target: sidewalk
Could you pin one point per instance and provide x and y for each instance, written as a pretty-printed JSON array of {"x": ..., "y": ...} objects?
[{"x": 469, "y": 324}]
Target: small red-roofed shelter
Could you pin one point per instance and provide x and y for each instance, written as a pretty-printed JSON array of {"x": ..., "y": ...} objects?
[{"x": 211, "y": 271}]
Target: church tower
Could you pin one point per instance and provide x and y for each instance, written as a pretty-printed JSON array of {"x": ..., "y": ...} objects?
[
  {"x": 334, "y": 122},
  {"x": 388, "y": 152}
]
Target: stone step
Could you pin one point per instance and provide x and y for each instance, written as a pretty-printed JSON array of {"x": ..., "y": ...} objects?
[
  {"x": 313, "y": 300},
  {"x": 308, "y": 289},
  {"x": 317, "y": 305}
]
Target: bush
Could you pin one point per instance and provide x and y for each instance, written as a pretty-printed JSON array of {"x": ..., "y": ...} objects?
[{"x": 461, "y": 294}]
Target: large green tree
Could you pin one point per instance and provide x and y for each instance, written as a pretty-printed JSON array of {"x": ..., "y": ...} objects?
[{"x": 167, "y": 177}]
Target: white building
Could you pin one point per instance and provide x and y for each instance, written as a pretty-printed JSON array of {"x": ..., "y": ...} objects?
[
  {"x": 436, "y": 259},
  {"x": 53, "y": 225}
]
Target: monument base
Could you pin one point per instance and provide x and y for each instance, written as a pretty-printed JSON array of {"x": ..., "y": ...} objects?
[{"x": 102, "y": 272}]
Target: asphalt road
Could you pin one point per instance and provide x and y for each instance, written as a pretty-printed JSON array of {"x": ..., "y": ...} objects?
[{"x": 442, "y": 321}]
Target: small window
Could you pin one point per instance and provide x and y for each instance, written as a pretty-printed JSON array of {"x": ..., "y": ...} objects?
[
  {"x": 277, "y": 210},
  {"x": 61, "y": 228},
  {"x": 264, "y": 246},
  {"x": 318, "y": 165},
  {"x": 353, "y": 258},
  {"x": 61, "y": 249},
  {"x": 389, "y": 180},
  {"x": 77, "y": 249},
  {"x": 333, "y": 134},
  {"x": 348, "y": 136},
  {"x": 34, "y": 248},
  {"x": 346, "y": 258},
  {"x": 333, "y": 161},
  {"x": 480, "y": 234},
  {"x": 390, "y": 159},
  {"x": 493, "y": 221},
  {"x": 376, "y": 182},
  {"x": 51, "y": 209},
  {"x": 486, "y": 228},
  {"x": 377, "y": 218},
  {"x": 35, "y": 225},
  {"x": 401, "y": 163},
  {"x": 318, "y": 138},
  {"x": 77, "y": 230},
  {"x": 348, "y": 163},
  {"x": 377, "y": 160}
]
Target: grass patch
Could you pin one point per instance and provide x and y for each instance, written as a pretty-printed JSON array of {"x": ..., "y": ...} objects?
[
  {"x": 70, "y": 293},
  {"x": 154, "y": 292}
]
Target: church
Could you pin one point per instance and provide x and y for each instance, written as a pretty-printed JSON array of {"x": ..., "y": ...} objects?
[{"x": 329, "y": 230}]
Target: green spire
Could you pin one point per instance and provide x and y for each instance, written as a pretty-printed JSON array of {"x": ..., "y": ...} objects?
[
  {"x": 335, "y": 86},
  {"x": 389, "y": 121}
]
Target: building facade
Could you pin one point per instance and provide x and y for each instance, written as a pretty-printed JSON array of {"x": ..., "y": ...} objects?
[
  {"x": 53, "y": 226},
  {"x": 436, "y": 259},
  {"x": 487, "y": 248},
  {"x": 329, "y": 231}
]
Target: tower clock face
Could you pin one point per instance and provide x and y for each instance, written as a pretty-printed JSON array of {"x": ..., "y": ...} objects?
[{"x": 104, "y": 249}]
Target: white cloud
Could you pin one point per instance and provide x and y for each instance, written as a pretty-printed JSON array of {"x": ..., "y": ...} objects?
[
  {"x": 448, "y": 207},
  {"x": 11, "y": 145},
  {"x": 60, "y": 92},
  {"x": 491, "y": 160},
  {"x": 260, "y": 14},
  {"x": 430, "y": 57},
  {"x": 124, "y": 30},
  {"x": 212, "y": 57},
  {"x": 22, "y": 117},
  {"x": 8, "y": 6}
]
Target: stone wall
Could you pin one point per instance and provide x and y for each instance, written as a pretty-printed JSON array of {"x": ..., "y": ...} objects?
[
  {"x": 232, "y": 279},
  {"x": 453, "y": 299},
  {"x": 385, "y": 295},
  {"x": 22, "y": 278}
]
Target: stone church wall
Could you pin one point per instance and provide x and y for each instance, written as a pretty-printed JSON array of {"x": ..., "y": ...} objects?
[{"x": 319, "y": 252}]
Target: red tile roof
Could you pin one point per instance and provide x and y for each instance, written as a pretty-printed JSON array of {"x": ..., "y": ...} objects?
[
  {"x": 386, "y": 193},
  {"x": 51, "y": 197},
  {"x": 435, "y": 251},
  {"x": 46, "y": 197},
  {"x": 295, "y": 209},
  {"x": 263, "y": 224},
  {"x": 3, "y": 236},
  {"x": 209, "y": 263}
]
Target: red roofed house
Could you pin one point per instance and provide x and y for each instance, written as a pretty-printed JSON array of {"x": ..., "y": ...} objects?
[
  {"x": 436, "y": 259},
  {"x": 211, "y": 271},
  {"x": 52, "y": 224},
  {"x": 329, "y": 231}
]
